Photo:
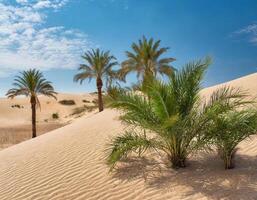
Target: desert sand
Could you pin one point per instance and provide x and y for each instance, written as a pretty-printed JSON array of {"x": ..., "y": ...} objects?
[
  {"x": 69, "y": 163},
  {"x": 15, "y": 116},
  {"x": 48, "y": 107}
]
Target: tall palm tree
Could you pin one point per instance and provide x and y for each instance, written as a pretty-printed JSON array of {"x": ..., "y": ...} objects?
[
  {"x": 99, "y": 65},
  {"x": 174, "y": 113},
  {"x": 145, "y": 59},
  {"x": 32, "y": 83}
]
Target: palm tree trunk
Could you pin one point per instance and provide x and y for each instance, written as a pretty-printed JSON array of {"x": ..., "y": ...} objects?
[
  {"x": 33, "y": 108},
  {"x": 99, "y": 84},
  {"x": 228, "y": 161},
  {"x": 148, "y": 79},
  {"x": 178, "y": 161}
]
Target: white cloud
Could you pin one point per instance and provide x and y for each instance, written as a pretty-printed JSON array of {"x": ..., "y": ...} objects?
[
  {"x": 250, "y": 32},
  {"x": 26, "y": 42},
  {"x": 22, "y": 1},
  {"x": 41, "y": 4}
]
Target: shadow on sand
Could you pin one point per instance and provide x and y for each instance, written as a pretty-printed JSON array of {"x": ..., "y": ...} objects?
[{"x": 204, "y": 175}]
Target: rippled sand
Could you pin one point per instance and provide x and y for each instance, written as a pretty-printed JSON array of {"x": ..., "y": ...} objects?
[{"x": 69, "y": 163}]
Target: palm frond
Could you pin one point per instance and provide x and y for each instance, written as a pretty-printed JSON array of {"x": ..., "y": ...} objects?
[
  {"x": 186, "y": 84},
  {"x": 137, "y": 110},
  {"x": 17, "y": 92},
  {"x": 226, "y": 98},
  {"x": 127, "y": 143},
  {"x": 166, "y": 69}
]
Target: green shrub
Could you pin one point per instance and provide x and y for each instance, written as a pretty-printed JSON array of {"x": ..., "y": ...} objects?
[
  {"x": 78, "y": 110},
  {"x": 95, "y": 101},
  {"x": 55, "y": 116},
  {"x": 169, "y": 117},
  {"x": 83, "y": 109},
  {"x": 229, "y": 129},
  {"x": 17, "y": 106},
  {"x": 85, "y": 101},
  {"x": 67, "y": 102}
]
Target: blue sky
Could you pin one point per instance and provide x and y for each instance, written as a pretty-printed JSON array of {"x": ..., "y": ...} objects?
[{"x": 52, "y": 34}]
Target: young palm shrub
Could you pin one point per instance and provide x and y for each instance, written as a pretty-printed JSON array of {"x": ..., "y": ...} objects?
[
  {"x": 229, "y": 129},
  {"x": 32, "y": 83},
  {"x": 172, "y": 112}
]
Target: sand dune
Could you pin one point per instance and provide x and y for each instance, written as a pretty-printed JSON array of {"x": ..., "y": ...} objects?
[
  {"x": 48, "y": 107},
  {"x": 247, "y": 83},
  {"x": 15, "y": 116},
  {"x": 68, "y": 163}
]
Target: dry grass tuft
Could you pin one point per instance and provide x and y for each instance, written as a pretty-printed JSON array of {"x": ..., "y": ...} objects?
[{"x": 82, "y": 109}]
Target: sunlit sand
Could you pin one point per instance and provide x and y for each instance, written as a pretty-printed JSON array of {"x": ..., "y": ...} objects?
[{"x": 69, "y": 162}]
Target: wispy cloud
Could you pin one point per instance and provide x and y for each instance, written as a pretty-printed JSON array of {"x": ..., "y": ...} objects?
[
  {"x": 26, "y": 42},
  {"x": 40, "y": 4},
  {"x": 250, "y": 32}
]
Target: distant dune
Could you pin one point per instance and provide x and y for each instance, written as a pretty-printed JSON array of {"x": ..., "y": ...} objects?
[
  {"x": 15, "y": 115},
  {"x": 69, "y": 163},
  {"x": 22, "y": 114}
]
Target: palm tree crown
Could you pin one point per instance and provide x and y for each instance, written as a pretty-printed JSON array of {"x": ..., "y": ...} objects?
[
  {"x": 145, "y": 59},
  {"x": 99, "y": 65},
  {"x": 31, "y": 83}
]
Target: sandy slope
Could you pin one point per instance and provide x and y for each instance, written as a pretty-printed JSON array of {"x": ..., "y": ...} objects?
[
  {"x": 247, "y": 83},
  {"x": 68, "y": 163}
]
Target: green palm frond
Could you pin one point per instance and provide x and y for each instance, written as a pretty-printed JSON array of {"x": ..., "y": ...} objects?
[
  {"x": 234, "y": 126},
  {"x": 137, "y": 110},
  {"x": 186, "y": 84},
  {"x": 80, "y": 77},
  {"x": 162, "y": 99},
  {"x": 128, "y": 143},
  {"x": 226, "y": 98}
]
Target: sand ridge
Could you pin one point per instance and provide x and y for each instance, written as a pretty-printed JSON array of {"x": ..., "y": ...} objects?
[{"x": 69, "y": 163}]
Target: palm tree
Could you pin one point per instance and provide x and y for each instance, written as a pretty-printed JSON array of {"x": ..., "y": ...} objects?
[
  {"x": 145, "y": 60},
  {"x": 32, "y": 83},
  {"x": 173, "y": 112},
  {"x": 98, "y": 65}
]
